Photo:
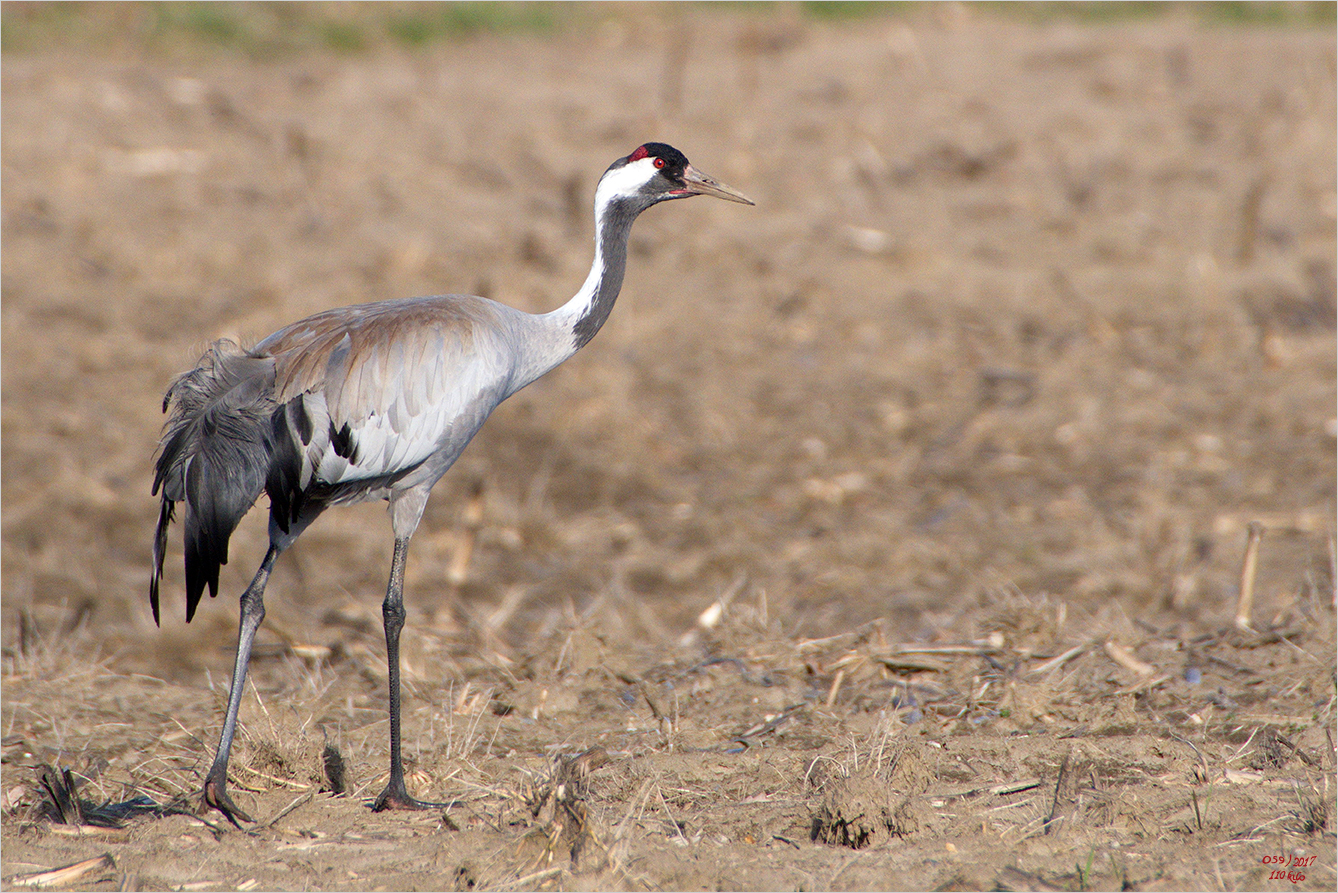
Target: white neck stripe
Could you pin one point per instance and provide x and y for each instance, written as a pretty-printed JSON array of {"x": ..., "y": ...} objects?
[{"x": 626, "y": 180}]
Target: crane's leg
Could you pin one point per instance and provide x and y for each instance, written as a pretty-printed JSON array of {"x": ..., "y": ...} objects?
[
  {"x": 395, "y": 796},
  {"x": 253, "y": 612}
]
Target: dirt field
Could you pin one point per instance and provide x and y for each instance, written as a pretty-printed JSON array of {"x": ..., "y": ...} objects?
[{"x": 888, "y": 536}]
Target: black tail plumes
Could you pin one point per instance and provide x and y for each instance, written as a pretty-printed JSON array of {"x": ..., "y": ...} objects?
[{"x": 214, "y": 457}]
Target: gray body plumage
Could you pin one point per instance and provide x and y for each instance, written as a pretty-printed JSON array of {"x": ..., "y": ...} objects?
[
  {"x": 359, "y": 403},
  {"x": 350, "y": 405}
]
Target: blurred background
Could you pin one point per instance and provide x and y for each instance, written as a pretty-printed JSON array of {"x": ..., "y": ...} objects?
[{"x": 1037, "y": 299}]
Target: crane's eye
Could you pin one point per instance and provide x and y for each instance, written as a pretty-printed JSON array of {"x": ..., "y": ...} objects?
[{"x": 659, "y": 163}]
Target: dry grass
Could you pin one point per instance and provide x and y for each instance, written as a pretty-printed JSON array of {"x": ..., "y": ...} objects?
[{"x": 1062, "y": 742}]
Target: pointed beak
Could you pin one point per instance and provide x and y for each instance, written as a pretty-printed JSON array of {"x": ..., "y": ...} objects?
[{"x": 699, "y": 184}]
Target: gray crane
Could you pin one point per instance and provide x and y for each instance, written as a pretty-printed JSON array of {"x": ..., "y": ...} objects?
[{"x": 373, "y": 401}]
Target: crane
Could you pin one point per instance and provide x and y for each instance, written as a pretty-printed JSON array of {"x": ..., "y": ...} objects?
[{"x": 368, "y": 402}]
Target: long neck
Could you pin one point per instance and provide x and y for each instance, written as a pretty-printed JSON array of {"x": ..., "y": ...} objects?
[
  {"x": 571, "y": 326},
  {"x": 591, "y": 305}
]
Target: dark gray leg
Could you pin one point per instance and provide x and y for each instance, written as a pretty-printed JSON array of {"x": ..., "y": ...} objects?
[
  {"x": 253, "y": 612},
  {"x": 395, "y": 796}
]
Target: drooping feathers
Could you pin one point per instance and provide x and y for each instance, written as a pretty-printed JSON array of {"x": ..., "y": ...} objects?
[{"x": 214, "y": 456}]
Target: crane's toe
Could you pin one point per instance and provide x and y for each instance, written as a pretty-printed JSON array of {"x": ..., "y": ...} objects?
[
  {"x": 396, "y": 797},
  {"x": 216, "y": 797}
]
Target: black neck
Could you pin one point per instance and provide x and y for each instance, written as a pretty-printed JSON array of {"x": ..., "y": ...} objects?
[{"x": 612, "y": 230}]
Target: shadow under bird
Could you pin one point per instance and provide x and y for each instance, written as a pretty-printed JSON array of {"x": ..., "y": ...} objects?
[{"x": 374, "y": 401}]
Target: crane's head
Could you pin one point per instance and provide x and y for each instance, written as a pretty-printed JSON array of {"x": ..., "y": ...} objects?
[{"x": 658, "y": 172}]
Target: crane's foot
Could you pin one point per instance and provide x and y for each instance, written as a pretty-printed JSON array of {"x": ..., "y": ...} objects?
[
  {"x": 216, "y": 796},
  {"x": 396, "y": 797}
]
